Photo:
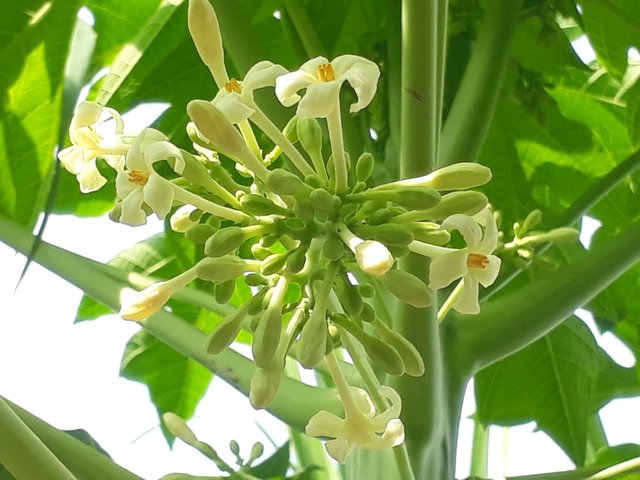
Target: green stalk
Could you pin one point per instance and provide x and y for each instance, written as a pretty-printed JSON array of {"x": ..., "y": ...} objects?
[
  {"x": 480, "y": 450},
  {"x": 295, "y": 402},
  {"x": 84, "y": 462},
  {"x": 514, "y": 321},
  {"x": 22, "y": 452},
  {"x": 468, "y": 122},
  {"x": 423, "y": 412},
  {"x": 305, "y": 28}
]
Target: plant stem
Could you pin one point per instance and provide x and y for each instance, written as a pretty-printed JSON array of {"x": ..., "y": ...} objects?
[
  {"x": 450, "y": 301},
  {"x": 480, "y": 450},
  {"x": 220, "y": 211},
  {"x": 22, "y": 452},
  {"x": 305, "y": 28},
  {"x": 467, "y": 125},
  {"x": 334, "y": 124}
]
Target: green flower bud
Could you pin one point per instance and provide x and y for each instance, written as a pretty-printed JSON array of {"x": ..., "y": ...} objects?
[
  {"x": 223, "y": 269},
  {"x": 381, "y": 216},
  {"x": 368, "y": 314},
  {"x": 558, "y": 235},
  {"x": 310, "y": 135},
  {"x": 364, "y": 167},
  {"x": 290, "y": 130},
  {"x": 224, "y": 241},
  {"x": 267, "y": 336},
  {"x": 265, "y": 383},
  {"x": 390, "y": 234},
  {"x": 259, "y": 251},
  {"x": 284, "y": 182},
  {"x": 200, "y": 233},
  {"x": 359, "y": 187},
  {"x": 268, "y": 240},
  {"x": 430, "y": 233},
  {"x": 407, "y": 288},
  {"x": 408, "y": 197},
  {"x": 234, "y": 447},
  {"x": 382, "y": 354},
  {"x": 257, "y": 450},
  {"x": 258, "y": 205},
  {"x": 468, "y": 203},
  {"x": 214, "y": 221},
  {"x": 296, "y": 261},
  {"x": 366, "y": 290},
  {"x": 224, "y": 291},
  {"x": 226, "y": 331},
  {"x": 313, "y": 181},
  {"x": 413, "y": 363},
  {"x": 274, "y": 263},
  {"x": 459, "y": 176},
  {"x": 312, "y": 345},
  {"x": 349, "y": 296},
  {"x": 333, "y": 249},
  {"x": 532, "y": 221},
  {"x": 179, "y": 428},
  {"x": 254, "y": 280},
  {"x": 322, "y": 202}
]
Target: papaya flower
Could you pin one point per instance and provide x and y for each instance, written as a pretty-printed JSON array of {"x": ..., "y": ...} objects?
[
  {"x": 474, "y": 264},
  {"x": 138, "y": 183},
  {"x": 323, "y": 80},
  {"x": 88, "y": 144}
]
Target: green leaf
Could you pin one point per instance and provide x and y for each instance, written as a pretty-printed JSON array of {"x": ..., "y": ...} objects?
[
  {"x": 613, "y": 26},
  {"x": 34, "y": 50},
  {"x": 275, "y": 466},
  {"x": 552, "y": 382}
]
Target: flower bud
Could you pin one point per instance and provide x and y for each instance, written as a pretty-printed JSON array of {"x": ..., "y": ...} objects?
[
  {"x": 333, "y": 249},
  {"x": 368, "y": 314},
  {"x": 322, "y": 202},
  {"x": 430, "y": 233},
  {"x": 200, "y": 233},
  {"x": 407, "y": 288},
  {"x": 224, "y": 291},
  {"x": 258, "y": 205},
  {"x": 274, "y": 263},
  {"x": 373, "y": 257},
  {"x": 178, "y": 427},
  {"x": 223, "y": 269},
  {"x": 364, "y": 167},
  {"x": 468, "y": 203},
  {"x": 413, "y": 198},
  {"x": 205, "y": 31},
  {"x": 267, "y": 336},
  {"x": 265, "y": 383},
  {"x": 259, "y": 251},
  {"x": 283, "y": 182},
  {"x": 310, "y": 135},
  {"x": 181, "y": 220},
  {"x": 297, "y": 259},
  {"x": 312, "y": 345},
  {"x": 313, "y": 181},
  {"x": 224, "y": 241},
  {"x": 366, "y": 290},
  {"x": 226, "y": 331},
  {"x": 256, "y": 452},
  {"x": 349, "y": 296},
  {"x": 459, "y": 176},
  {"x": 390, "y": 234},
  {"x": 532, "y": 221},
  {"x": 413, "y": 363}
]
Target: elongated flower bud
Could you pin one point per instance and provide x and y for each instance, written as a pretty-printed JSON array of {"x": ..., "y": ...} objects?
[
  {"x": 222, "y": 269},
  {"x": 224, "y": 241},
  {"x": 413, "y": 363},
  {"x": 408, "y": 288},
  {"x": 312, "y": 345},
  {"x": 264, "y": 384},
  {"x": 179, "y": 428},
  {"x": 205, "y": 31},
  {"x": 390, "y": 234},
  {"x": 283, "y": 182},
  {"x": 364, "y": 167},
  {"x": 310, "y": 135},
  {"x": 417, "y": 197},
  {"x": 467, "y": 203},
  {"x": 459, "y": 176},
  {"x": 226, "y": 331}
]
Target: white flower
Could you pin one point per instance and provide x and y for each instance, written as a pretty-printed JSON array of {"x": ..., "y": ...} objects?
[
  {"x": 323, "y": 81},
  {"x": 138, "y": 183},
  {"x": 474, "y": 264},
  {"x": 361, "y": 427},
  {"x": 88, "y": 144},
  {"x": 235, "y": 98}
]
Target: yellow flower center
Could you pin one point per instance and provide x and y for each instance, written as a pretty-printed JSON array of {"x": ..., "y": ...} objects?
[
  {"x": 233, "y": 86},
  {"x": 326, "y": 73},
  {"x": 476, "y": 260},
  {"x": 138, "y": 177}
]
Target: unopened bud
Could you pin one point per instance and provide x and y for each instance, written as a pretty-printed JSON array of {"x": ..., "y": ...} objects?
[
  {"x": 368, "y": 314},
  {"x": 200, "y": 233},
  {"x": 283, "y": 182},
  {"x": 234, "y": 447},
  {"x": 322, "y": 202},
  {"x": 256, "y": 452},
  {"x": 224, "y": 241},
  {"x": 413, "y": 363},
  {"x": 390, "y": 233},
  {"x": 267, "y": 336},
  {"x": 265, "y": 383},
  {"x": 259, "y": 251},
  {"x": 349, "y": 297},
  {"x": 467, "y": 203},
  {"x": 532, "y": 221},
  {"x": 333, "y": 249},
  {"x": 274, "y": 263},
  {"x": 408, "y": 288},
  {"x": 296, "y": 261},
  {"x": 179, "y": 428},
  {"x": 226, "y": 331},
  {"x": 557, "y": 235},
  {"x": 205, "y": 31},
  {"x": 258, "y": 205},
  {"x": 364, "y": 167},
  {"x": 366, "y": 290},
  {"x": 181, "y": 220},
  {"x": 373, "y": 257},
  {"x": 310, "y": 135},
  {"x": 413, "y": 198},
  {"x": 430, "y": 233},
  {"x": 224, "y": 291},
  {"x": 313, "y": 181},
  {"x": 459, "y": 176},
  {"x": 223, "y": 269},
  {"x": 312, "y": 345}
]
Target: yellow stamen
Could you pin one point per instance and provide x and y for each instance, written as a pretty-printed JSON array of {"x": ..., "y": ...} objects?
[
  {"x": 139, "y": 178},
  {"x": 326, "y": 73},
  {"x": 232, "y": 86},
  {"x": 477, "y": 260}
]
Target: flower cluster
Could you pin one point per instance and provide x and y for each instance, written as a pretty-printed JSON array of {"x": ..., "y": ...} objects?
[{"x": 300, "y": 224}]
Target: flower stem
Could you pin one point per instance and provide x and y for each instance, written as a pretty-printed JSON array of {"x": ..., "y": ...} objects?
[
  {"x": 23, "y": 454},
  {"x": 249, "y": 137},
  {"x": 450, "y": 302},
  {"x": 334, "y": 124},
  {"x": 274, "y": 133},
  {"x": 227, "y": 213}
]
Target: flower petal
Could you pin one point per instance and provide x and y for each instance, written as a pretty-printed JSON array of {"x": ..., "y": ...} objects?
[
  {"x": 232, "y": 106},
  {"x": 158, "y": 194},
  {"x": 490, "y": 240},
  {"x": 363, "y": 401},
  {"x": 487, "y": 275},
  {"x": 324, "y": 424},
  {"x": 362, "y": 75},
  {"x": 339, "y": 449},
  {"x": 131, "y": 209},
  {"x": 447, "y": 268},
  {"x": 379, "y": 422},
  {"x": 158, "y": 151},
  {"x": 288, "y": 85},
  {"x": 262, "y": 74},
  {"x": 90, "y": 178},
  {"x": 468, "y": 300},
  {"x": 467, "y": 226},
  {"x": 320, "y": 100},
  {"x": 72, "y": 159}
]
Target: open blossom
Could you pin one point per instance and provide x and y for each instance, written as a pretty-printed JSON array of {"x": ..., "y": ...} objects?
[
  {"x": 88, "y": 145},
  {"x": 474, "y": 264},
  {"x": 139, "y": 184},
  {"x": 361, "y": 427},
  {"x": 323, "y": 80},
  {"x": 235, "y": 98}
]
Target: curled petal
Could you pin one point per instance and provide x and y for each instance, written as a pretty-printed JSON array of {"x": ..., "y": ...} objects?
[
  {"x": 447, "y": 268},
  {"x": 324, "y": 424},
  {"x": 145, "y": 303},
  {"x": 320, "y": 100},
  {"x": 380, "y": 421},
  {"x": 262, "y": 74},
  {"x": 131, "y": 211},
  {"x": 362, "y": 75},
  {"x": 72, "y": 159},
  {"x": 163, "y": 151},
  {"x": 467, "y": 302},
  {"x": 490, "y": 240},
  {"x": 159, "y": 195},
  {"x": 467, "y": 227},
  {"x": 87, "y": 113},
  {"x": 392, "y": 436},
  {"x": 487, "y": 275},
  {"x": 288, "y": 85},
  {"x": 90, "y": 179},
  {"x": 232, "y": 106},
  {"x": 363, "y": 401},
  {"x": 339, "y": 449},
  {"x": 123, "y": 186}
]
